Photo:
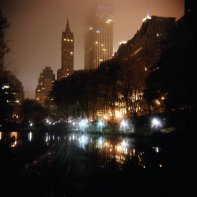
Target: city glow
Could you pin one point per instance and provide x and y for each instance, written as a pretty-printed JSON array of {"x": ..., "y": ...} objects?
[{"x": 118, "y": 114}]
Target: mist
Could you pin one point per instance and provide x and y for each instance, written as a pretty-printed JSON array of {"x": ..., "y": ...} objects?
[{"x": 36, "y": 27}]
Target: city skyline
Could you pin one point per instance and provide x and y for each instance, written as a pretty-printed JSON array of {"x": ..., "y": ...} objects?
[{"x": 36, "y": 34}]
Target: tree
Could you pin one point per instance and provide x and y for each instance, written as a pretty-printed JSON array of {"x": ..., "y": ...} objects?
[{"x": 33, "y": 112}]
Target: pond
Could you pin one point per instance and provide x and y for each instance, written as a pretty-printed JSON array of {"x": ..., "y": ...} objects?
[{"x": 80, "y": 164}]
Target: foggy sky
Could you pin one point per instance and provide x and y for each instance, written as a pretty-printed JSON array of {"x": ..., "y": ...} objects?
[{"x": 36, "y": 27}]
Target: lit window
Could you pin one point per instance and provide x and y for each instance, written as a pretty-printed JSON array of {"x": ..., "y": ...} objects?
[
  {"x": 108, "y": 21},
  {"x": 5, "y": 87}
]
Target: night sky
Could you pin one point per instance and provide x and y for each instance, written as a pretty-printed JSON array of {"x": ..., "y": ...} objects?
[{"x": 36, "y": 27}]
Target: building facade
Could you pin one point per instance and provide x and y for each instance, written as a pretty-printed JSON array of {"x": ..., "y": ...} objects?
[
  {"x": 144, "y": 51},
  {"x": 11, "y": 97},
  {"x": 67, "y": 60},
  {"x": 99, "y": 36},
  {"x": 44, "y": 87}
]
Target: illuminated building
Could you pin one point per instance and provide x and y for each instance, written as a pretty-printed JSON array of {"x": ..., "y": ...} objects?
[
  {"x": 67, "y": 53},
  {"x": 146, "y": 45},
  {"x": 45, "y": 85},
  {"x": 12, "y": 95},
  {"x": 14, "y": 87},
  {"x": 144, "y": 50},
  {"x": 99, "y": 36}
]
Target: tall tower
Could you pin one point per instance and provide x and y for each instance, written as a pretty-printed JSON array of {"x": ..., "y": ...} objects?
[
  {"x": 99, "y": 36},
  {"x": 67, "y": 53}
]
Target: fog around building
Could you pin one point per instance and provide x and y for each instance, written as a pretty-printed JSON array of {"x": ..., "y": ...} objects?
[{"x": 36, "y": 27}]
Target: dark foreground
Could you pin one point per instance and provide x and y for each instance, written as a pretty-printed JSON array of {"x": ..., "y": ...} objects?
[{"x": 42, "y": 164}]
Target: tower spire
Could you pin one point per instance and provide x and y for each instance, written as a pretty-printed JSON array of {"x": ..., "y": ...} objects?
[{"x": 67, "y": 26}]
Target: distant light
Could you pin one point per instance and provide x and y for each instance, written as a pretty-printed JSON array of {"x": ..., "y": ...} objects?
[
  {"x": 5, "y": 87},
  {"x": 146, "y": 18},
  {"x": 83, "y": 124},
  {"x": 83, "y": 140},
  {"x": 17, "y": 101},
  {"x": 91, "y": 28},
  {"x": 30, "y": 136},
  {"x": 155, "y": 123},
  {"x": 100, "y": 125},
  {"x": 108, "y": 21},
  {"x": 157, "y": 102},
  {"x": 64, "y": 39},
  {"x": 122, "y": 42},
  {"x": 118, "y": 114},
  {"x": 97, "y": 31},
  {"x": 157, "y": 149},
  {"x": 124, "y": 125},
  {"x": 71, "y": 53}
]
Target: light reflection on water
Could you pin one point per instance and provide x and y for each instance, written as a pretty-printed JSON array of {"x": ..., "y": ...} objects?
[{"x": 119, "y": 149}]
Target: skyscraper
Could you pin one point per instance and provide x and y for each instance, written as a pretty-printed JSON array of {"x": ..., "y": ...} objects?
[
  {"x": 99, "y": 36},
  {"x": 45, "y": 85},
  {"x": 67, "y": 66}
]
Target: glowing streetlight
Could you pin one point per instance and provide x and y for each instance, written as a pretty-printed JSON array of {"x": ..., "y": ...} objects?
[
  {"x": 123, "y": 125},
  {"x": 100, "y": 125},
  {"x": 155, "y": 123},
  {"x": 83, "y": 124}
]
